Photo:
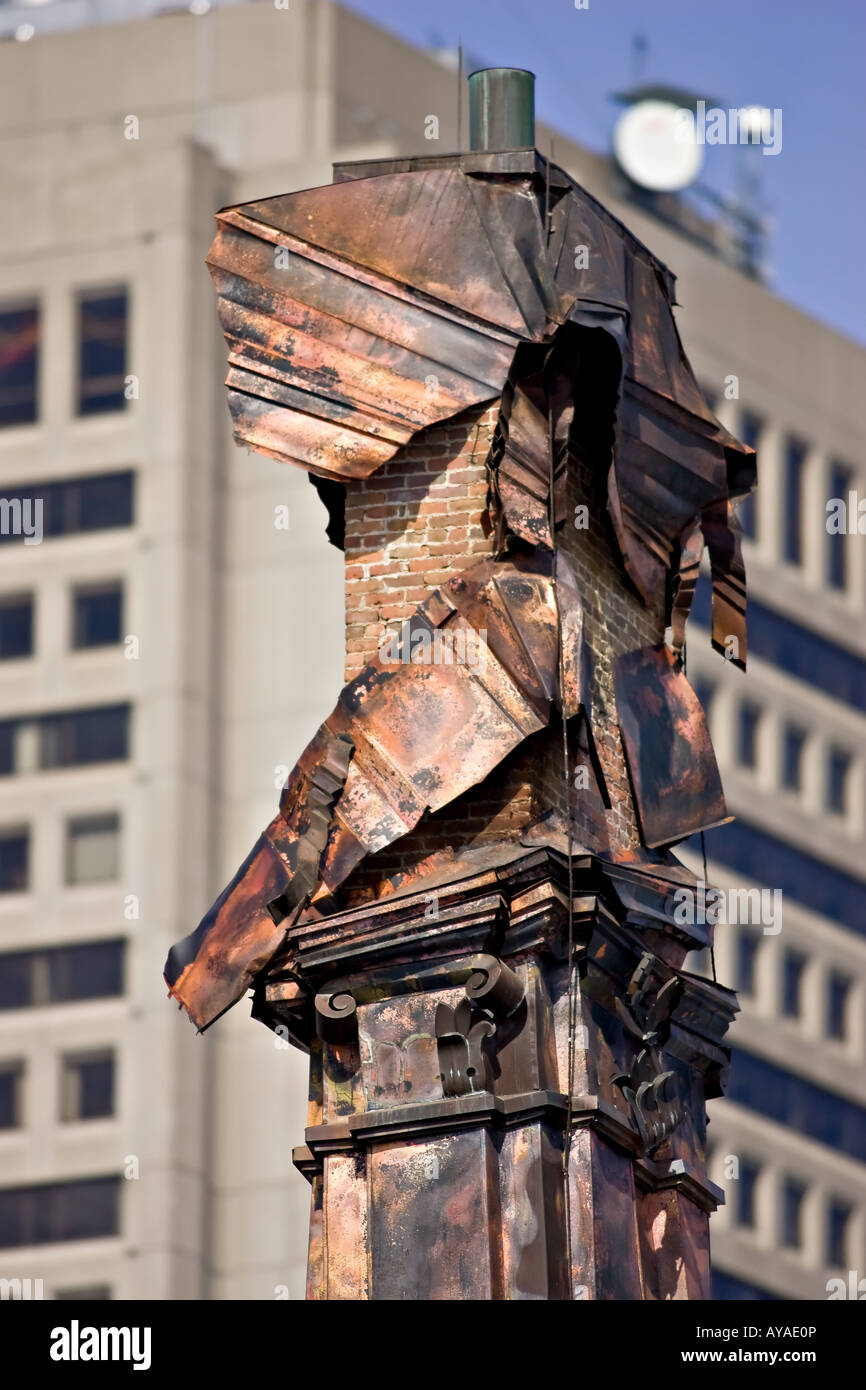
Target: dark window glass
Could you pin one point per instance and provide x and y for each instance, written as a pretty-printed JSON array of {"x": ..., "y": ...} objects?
[
  {"x": 105, "y": 501},
  {"x": 727, "y": 1287},
  {"x": 68, "y": 739},
  {"x": 838, "y": 1221},
  {"x": 97, "y": 502},
  {"x": 748, "y": 943},
  {"x": 93, "y": 970},
  {"x": 793, "y": 965},
  {"x": 746, "y": 1188},
  {"x": 14, "y": 860},
  {"x": 87, "y": 1086},
  {"x": 793, "y": 1193},
  {"x": 102, "y": 328},
  {"x": 838, "y": 767},
  {"x": 19, "y": 364},
  {"x": 8, "y": 729},
  {"x": 821, "y": 663},
  {"x": 87, "y": 1293},
  {"x": 795, "y": 458},
  {"x": 61, "y": 974},
  {"x": 79, "y": 1210},
  {"x": 769, "y": 861},
  {"x": 84, "y": 736},
  {"x": 841, "y": 481},
  {"x": 16, "y": 627},
  {"x": 800, "y": 1105},
  {"x": 11, "y": 1094},
  {"x": 16, "y": 979},
  {"x": 97, "y": 615},
  {"x": 838, "y": 993},
  {"x": 750, "y": 433},
  {"x": 793, "y": 743},
  {"x": 750, "y": 718}
]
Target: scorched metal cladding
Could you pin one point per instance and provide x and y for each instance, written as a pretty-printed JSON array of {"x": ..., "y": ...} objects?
[{"x": 571, "y": 1079}]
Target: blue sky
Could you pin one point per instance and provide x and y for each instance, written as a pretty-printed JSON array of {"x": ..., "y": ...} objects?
[{"x": 804, "y": 57}]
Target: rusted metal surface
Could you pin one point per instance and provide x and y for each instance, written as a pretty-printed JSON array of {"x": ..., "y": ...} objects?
[
  {"x": 407, "y": 736},
  {"x": 508, "y": 1064},
  {"x": 362, "y": 312},
  {"x": 440, "y": 1123},
  {"x": 674, "y": 776}
]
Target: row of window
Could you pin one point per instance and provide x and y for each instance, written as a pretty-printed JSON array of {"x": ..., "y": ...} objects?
[
  {"x": 101, "y": 342},
  {"x": 96, "y": 619},
  {"x": 837, "y": 772},
  {"x": 68, "y": 506},
  {"x": 92, "y": 852},
  {"x": 82, "y": 1209},
  {"x": 841, "y": 481},
  {"x": 794, "y": 739},
  {"x": 838, "y": 986},
  {"x": 67, "y": 738},
  {"x": 838, "y": 1214},
  {"x": 62, "y": 974},
  {"x": 86, "y": 1091},
  {"x": 795, "y": 649}
]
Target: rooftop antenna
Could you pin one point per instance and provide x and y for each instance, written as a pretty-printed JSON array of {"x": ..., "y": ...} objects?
[
  {"x": 459, "y": 95},
  {"x": 639, "y": 49}
]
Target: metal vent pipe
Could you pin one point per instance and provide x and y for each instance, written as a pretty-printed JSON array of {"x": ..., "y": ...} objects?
[{"x": 501, "y": 109}]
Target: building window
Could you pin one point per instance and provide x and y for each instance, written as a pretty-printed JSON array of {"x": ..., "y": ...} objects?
[
  {"x": 745, "y": 1211},
  {"x": 102, "y": 331},
  {"x": 85, "y": 1293},
  {"x": 838, "y": 1222},
  {"x": 838, "y": 994},
  {"x": 793, "y": 1194},
  {"x": 93, "y": 849},
  {"x": 838, "y": 768},
  {"x": 19, "y": 364},
  {"x": 97, "y": 615},
  {"x": 747, "y": 748},
  {"x": 11, "y": 1094},
  {"x": 87, "y": 1086},
  {"x": 793, "y": 966},
  {"x": 795, "y": 458},
  {"x": 80, "y": 1210},
  {"x": 803, "y": 1107},
  {"x": 793, "y": 744},
  {"x": 73, "y": 738},
  {"x": 62, "y": 974},
  {"x": 14, "y": 860},
  {"x": 96, "y": 502},
  {"x": 748, "y": 945},
  {"x": 16, "y": 627},
  {"x": 750, "y": 433},
  {"x": 841, "y": 482}
]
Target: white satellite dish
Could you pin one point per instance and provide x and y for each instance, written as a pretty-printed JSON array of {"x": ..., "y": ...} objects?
[{"x": 655, "y": 145}]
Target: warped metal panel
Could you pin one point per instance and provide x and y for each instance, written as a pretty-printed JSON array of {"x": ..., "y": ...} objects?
[
  {"x": 406, "y": 736},
  {"x": 673, "y": 771}
]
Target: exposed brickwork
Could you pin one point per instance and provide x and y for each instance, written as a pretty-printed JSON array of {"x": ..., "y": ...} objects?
[
  {"x": 408, "y": 528},
  {"x": 411, "y": 526},
  {"x": 615, "y": 621}
]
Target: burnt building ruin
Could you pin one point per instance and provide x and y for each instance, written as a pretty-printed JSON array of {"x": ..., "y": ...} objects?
[{"x": 464, "y": 908}]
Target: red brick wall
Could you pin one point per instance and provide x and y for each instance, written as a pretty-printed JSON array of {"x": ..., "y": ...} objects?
[
  {"x": 408, "y": 528},
  {"x": 411, "y": 526}
]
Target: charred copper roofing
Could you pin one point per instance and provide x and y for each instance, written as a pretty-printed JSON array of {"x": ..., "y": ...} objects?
[{"x": 487, "y": 276}]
